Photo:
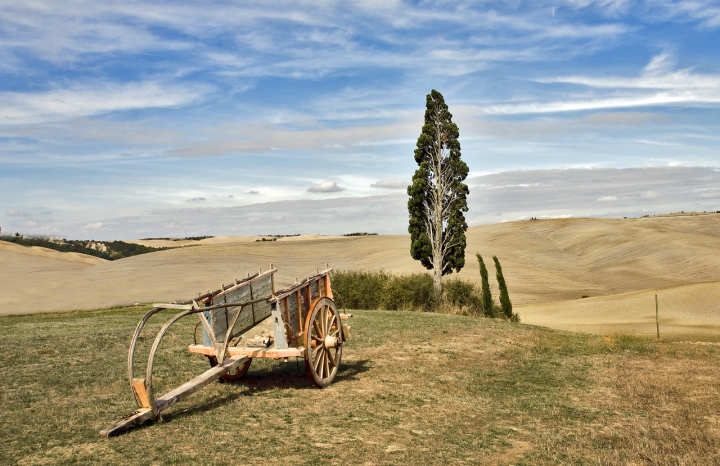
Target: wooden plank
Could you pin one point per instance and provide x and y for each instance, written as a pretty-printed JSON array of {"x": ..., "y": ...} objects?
[
  {"x": 244, "y": 282},
  {"x": 191, "y": 386},
  {"x": 328, "y": 287},
  {"x": 272, "y": 353},
  {"x": 279, "y": 332},
  {"x": 288, "y": 291},
  {"x": 138, "y": 386},
  {"x": 138, "y": 418},
  {"x": 173, "y": 396},
  {"x": 201, "y": 349},
  {"x": 185, "y": 307}
]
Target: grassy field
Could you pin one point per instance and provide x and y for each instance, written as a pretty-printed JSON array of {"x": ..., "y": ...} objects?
[{"x": 414, "y": 388}]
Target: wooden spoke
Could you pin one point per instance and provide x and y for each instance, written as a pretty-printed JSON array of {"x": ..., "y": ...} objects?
[
  {"x": 317, "y": 361},
  {"x": 322, "y": 330},
  {"x": 323, "y": 319},
  {"x": 331, "y": 357}
]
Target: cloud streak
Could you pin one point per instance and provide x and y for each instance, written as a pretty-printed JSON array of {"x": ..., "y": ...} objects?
[
  {"x": 94, "y": 99},
  {"x": 670, "y": 88}
]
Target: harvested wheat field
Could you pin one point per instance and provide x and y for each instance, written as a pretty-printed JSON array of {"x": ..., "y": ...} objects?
[
  {"x": 686, "y": 312},
  {"x": 545, "y": 261}
]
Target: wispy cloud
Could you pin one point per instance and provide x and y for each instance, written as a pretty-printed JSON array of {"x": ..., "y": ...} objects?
[
  {"x": 656, "y": 85},
  {"x": 257, "y": 138},
  {"x": 528, "y": 128},
  {"x": 86, "y": 100}
]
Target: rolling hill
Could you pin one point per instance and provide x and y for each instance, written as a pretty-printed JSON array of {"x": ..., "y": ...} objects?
[{"x": 549, "y": 265}]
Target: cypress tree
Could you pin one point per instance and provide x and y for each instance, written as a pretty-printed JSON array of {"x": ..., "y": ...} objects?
[
  {"x": 438, "y": 196},
  {"x": 505, "y": 303},
  {"x": 487, "y": 301}
]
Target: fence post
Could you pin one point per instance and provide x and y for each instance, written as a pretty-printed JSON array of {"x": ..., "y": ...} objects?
[{"x": 657, "y": 318}]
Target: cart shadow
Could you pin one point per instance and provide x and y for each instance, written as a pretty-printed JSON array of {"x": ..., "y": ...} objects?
[{"x": 284, "y": 377}]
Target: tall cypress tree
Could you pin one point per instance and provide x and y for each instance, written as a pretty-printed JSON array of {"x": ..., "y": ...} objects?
[
  {"x": 505, "y": 303},
  {"x": 438, "y": 196},
  {"x": 487, "y": 301}
]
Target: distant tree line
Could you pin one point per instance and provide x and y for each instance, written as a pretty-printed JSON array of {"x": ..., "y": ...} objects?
[
  {"x": 110, "y": 250},
  {"x": 187, "y": 238}
]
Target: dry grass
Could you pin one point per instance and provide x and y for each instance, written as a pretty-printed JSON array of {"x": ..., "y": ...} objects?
[{"x": 414, "y": 388}]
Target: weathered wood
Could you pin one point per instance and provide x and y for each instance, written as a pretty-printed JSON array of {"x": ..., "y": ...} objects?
[
  {"x": 244, "y": 282},
  {"x": 299, "y": 286},
  {"x": 140, "y": 417},
  {"x": 271, "y": 353},
  {"x": 173, "y": 396},
  {"x": 141, "y": 394},
  {"x": 173, "y": 306},
  {"x": 190, "y": 387}
]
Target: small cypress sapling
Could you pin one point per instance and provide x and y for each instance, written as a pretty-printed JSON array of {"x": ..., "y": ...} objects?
[
  {"x": 487, "y": 301},
  {"x": 505, "y": 303}
]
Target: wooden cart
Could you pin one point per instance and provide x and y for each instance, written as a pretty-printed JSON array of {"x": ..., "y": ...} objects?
[{"x": 305, "y": 323}]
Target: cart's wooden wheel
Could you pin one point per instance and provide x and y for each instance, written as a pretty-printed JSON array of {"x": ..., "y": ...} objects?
[
  {"x": 323, "y": 342},
  {"x": 235, "y": 374}
]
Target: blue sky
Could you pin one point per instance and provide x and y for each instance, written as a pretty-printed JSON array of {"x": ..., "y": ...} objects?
[{"x": 147, "y": 119}]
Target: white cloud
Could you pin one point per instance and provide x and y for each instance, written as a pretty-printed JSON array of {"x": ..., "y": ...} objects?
[
  {"x": 326, "y": 187},
  {"x": 92, "y": 226},
  {"x": 607, "y": 199},
  {"x": 17, "y": 213},
  {"x": 252, "y": 191},
  {"x": 390, "y": 184},
  {"x": 650, "y": 194}
]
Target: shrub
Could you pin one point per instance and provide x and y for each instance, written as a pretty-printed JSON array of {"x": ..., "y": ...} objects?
[
  {"x": 362, "y": 289},
  {"x": 358, "y": 289},
  {"x": 408, "y": 292},
  {"x": 464, "y": 296}
]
